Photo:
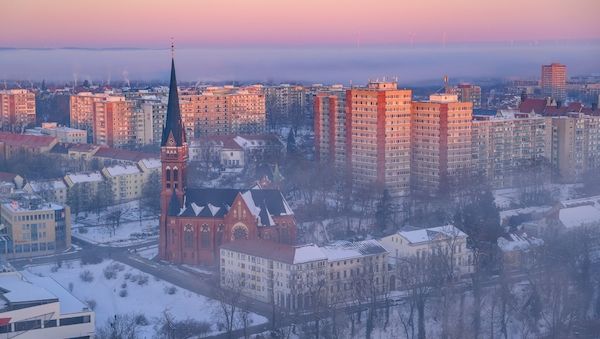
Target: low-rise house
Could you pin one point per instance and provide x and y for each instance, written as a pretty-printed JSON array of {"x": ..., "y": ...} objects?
[
  {"x": 38, "y": 307},
  {"x": 580, "y": 212},
  {"x": 12, "y": 144},
  {"x": 32, "y": 227},
  {"x": 62, "y": 133},
  {"x": 9, "y": 182},
  {"x": 87, "y": 182},
  {"x": 54, "y": 190},
  {"x": 217, "y": 149},
  {"x": 420, "y": 243},
  {"x": 518, "y": 250}
]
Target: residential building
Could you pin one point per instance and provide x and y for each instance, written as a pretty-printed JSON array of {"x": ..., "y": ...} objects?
[
  {"x": 554, "y": 81},
  {"x": 17, "y": 109},
  {"x": 127, "y": 182},
  {"x": 305, "y": 277},
  {"x": 12, "y": 144},
  {"x": 285, "y": 103},
  {"x": 62, "y": 133},
  {"x": 575, "y": 145},
  {"x": 466, "y": 93},
  {"x": 38, "y": 307},
  {"x": 9, "y": 182},
  {"x": 441, "y": 143},
  {"x": 155, "y": 110},
  {"x": 503, "y": 144},
  {"x": 378, "y": 138},
  {"x": 215, "y": 151},
  {"x": 224, "y": 110},
  {"x": 518, "y": 250},
  {"x": 108, "y": 119},
  {"x": 330, "y": 127},
  {"x": 53, "y": 190},
  {"x": 194, "y": 223},
  {"x": 87, "y": 183},
  {"x": 33, "y": 227},
  {"x": 411, "y": 243}
]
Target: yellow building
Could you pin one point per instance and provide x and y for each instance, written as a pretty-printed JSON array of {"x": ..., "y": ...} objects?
[{"x": 33, "y": 227}]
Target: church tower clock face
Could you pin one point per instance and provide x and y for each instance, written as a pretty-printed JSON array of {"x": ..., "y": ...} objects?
[{"x": 240, "y": 231}]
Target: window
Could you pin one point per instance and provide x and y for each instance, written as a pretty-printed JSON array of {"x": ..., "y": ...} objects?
[
  {"x": 27, "y": 325},
  {"x": 188, "y": 236},
  {"x": 175, "y": 174},
  {"x": 50, "y": 323},
  {"x": 205, "y": 236},
  {"x": 168, "y": 175},
  {"x": 74, "y": 320}
]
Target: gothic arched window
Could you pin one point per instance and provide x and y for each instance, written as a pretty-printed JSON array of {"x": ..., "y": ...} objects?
[
  {"x": 188, "y": 236},
  {"x": 240, "y": 231},
  {"x": 205, "y": 236},
  {"x": 175, "y": 174}
]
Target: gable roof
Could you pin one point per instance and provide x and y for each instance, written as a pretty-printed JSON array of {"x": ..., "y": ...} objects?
[
  {"x": 421, "y": 235},
  {"x": 23, "y": 140},
  {"x": 264, "y": 204}
]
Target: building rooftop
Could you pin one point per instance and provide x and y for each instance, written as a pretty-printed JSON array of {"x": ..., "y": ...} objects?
[
  {"x": 342, "y": 250},
  {"x": 421, "y": 235},
  {"x": 23, "y": 140},
  {"x": 119, "y": 170}
]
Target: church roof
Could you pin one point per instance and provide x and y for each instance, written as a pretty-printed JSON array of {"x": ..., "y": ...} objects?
[
  {"x": 264, "y": 204},
  {"x": 173, "y": 121}
]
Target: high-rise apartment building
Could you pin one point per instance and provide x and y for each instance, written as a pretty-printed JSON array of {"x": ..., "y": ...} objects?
[
  {"x": 17, "y": 109},
  {"x": 330, "y": 126},
  {"x": 466, "y": 93},
  {"x": 109, "y": 119},
  {"x": 224, "y": 110},
  {"x": 155, "y": 109},
  {"x": 575, "y": 145},
  {"x": 285, "y": 103},
  {"x": 441, "y": 142},
  {"x": 378, "y": 139},
  {"x": 504, "y": 143},
  {"x": 554, "y": 81}
]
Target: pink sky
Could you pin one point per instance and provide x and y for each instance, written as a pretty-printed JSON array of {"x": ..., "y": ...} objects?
[{"x": 150, "y": 23}]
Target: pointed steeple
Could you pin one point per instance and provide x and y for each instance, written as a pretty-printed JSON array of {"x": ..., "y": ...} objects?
[{"x": 173, "y": 122}]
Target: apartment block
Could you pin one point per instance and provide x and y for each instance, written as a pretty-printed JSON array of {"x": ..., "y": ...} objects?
[
  {"x": 575, "y": 145},
  {"x": 304, "y": 277},
  {"x": 17, "y": 109},
  {"x": 378, "y": 138},
  {"x": 285, "y": 103},
  {"x": 108, "y": 119},
  {"x": 441, "y": 142},
  {"x": 554, "y": 81},
  {"x": 507, "y": 141},
  {"x": 466, "y": 93},
  {"x": 223, "y": 110},
  {"x": 330, "y": 127},
  {"x": 34, "y": 227}
]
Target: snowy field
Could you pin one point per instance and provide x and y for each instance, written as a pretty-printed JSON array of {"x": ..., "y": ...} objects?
[
  {"x": 97, "y": 229},
  {"x": 150, "y": 298}
]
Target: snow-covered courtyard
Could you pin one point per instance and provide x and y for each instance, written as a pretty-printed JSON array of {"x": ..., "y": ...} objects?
[{"x": 131, "y": 292}]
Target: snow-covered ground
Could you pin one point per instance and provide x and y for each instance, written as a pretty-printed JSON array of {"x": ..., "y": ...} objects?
[
  {"x": 149, "y": 299},
  {"x": 96, "y": 229},
  {"x": 149, "y": 252}
]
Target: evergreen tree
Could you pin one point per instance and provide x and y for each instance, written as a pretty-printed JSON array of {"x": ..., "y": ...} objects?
[
  {"x": 292, "y": 149},
  {"x": 384, "y": 212}
]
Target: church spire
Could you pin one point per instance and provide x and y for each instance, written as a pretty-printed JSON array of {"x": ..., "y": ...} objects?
[{"x": 173, "y": 122}]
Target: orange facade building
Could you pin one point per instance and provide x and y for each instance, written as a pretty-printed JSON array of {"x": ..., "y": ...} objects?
[{"x": 17, "y": 109}]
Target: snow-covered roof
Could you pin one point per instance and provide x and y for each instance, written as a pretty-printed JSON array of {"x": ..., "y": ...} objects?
[
  {"x": 342, "y": 250},
  {"x": 38, "y": 186},
  {"x": 119, "y": 170},
  {"x": 527, "y": 210},
  {"x": 579, "y": 215},
  {"x": 151, "y": 163},
  {"x": 68, "y": 302},
  {"x": 78, "y": 178},
  {"x": 308, "y": 253},
  {"x": 518, "y": 242},
  {"x": 19, "y": 290},
  {"x": 421, "y": 235}
]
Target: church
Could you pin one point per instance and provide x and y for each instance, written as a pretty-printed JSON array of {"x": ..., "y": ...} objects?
[{"x": 195, "y": 222}]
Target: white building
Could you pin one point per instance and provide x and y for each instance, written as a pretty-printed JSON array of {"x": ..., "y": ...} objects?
[
  {"x": 54, "y": 190},
  {"x": 38, "y": 307},
  {"x": 420, "y": 243},
  {"x": 126, "y": 181},
  {"x": 305, "y": 276}
]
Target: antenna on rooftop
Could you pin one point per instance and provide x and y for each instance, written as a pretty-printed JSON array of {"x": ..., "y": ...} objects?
[{"x": 172, "y": 48}]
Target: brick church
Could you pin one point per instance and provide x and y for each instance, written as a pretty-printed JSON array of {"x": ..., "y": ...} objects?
[{"x": 194, "y": 223}]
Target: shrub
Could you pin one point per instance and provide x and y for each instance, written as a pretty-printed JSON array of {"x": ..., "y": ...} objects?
[
  {"x": 109, "y": 273},
  {"x": 170, "y": 290},
  {"x": 141, "y": 320},
  {"x": 122, "y": 293},
  {"x": 54, "y": 269},
  {"x": 142, "y": 280},
  {"x": 127, "y": 275},
  {"x": 86, "y": 276},
  {"x": 91, "y": 304},
  {"x": 82, "y": 230},
  {"x": 124, "y": 285}
]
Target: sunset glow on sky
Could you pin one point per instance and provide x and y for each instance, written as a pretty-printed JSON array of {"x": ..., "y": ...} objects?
[{"x": 149, "y": 23}]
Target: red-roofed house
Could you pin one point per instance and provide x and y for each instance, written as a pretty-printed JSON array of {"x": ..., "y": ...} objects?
[{"x": 12, "y": 144}]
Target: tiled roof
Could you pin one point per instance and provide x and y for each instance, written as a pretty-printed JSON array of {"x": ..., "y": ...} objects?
[{"x": 24, "y": 140}]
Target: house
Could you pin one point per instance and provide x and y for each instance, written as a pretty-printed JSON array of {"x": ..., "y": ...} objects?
[
  {"x": 420, "y": 243},
  {"x": 12, "y": 144},
  {"x": 518, "y": 250},
  {"x": 53, "y": 190}
]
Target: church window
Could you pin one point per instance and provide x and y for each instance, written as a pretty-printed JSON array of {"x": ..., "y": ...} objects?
[
  {"x": 240, "y": 232},
  {"x": 175, "y": 174},
  {"x": 188, "y": 236},
  {"x": 205, "y": 236},
  {"x": 168, "y": 174}
]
